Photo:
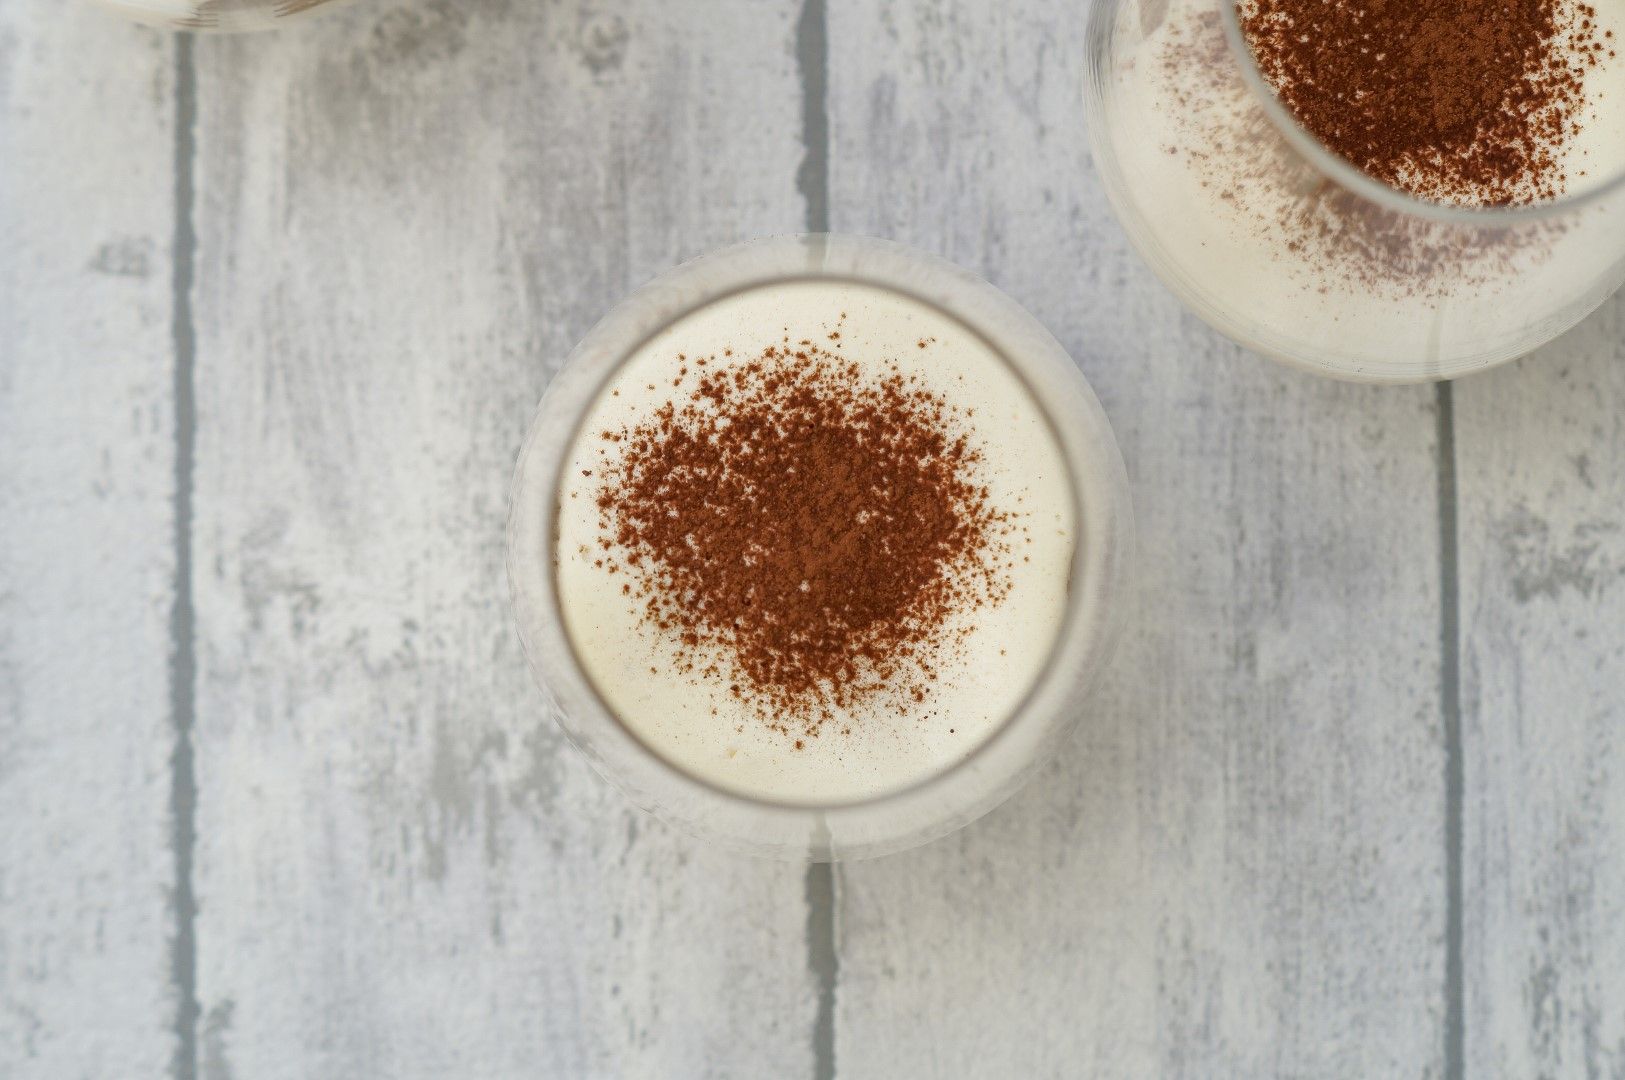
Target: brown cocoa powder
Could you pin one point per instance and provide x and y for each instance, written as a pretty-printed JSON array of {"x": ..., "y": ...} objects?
[
  {"x": 1325, "y": 233},
  {"x": 807, "y": 534},
  {"x": 1459, "y": 101}
]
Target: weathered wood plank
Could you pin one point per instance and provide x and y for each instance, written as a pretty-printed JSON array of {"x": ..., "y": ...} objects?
[
  {"x": 86, "y": 533},
  {"x": 408, "y": 213},
  {"x": 1541, "y": 475},
  {"x": 1238, "y": 868}
]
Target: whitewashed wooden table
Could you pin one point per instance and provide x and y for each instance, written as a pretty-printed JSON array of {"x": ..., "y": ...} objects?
[{"x": 277, "y": 797}]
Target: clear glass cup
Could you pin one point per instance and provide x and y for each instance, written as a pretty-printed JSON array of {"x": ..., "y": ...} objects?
[
  {"x": 224, "y": 15},
  {"x": 940, "y": 803},
  {"x": 1290, "y": 250}
]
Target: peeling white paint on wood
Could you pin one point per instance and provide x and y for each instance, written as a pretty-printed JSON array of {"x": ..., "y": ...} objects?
[
  {"x": 86, "y": 543},
  {"x": 408, "y": 214},
  {"x": 1541, "y": 476}
]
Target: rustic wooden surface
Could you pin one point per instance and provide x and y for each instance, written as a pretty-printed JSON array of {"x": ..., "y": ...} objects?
[
  {"x": 87, "y": 916},
  {"x": 277, "y": 798},
  {"x": 1540, "y": 451}
]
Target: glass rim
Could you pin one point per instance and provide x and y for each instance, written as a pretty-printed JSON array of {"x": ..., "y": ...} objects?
[
  {"x": 1082, "y": 642},
  {"x": 1345, "y": 173},
  {"x": 864, "y": 801}
]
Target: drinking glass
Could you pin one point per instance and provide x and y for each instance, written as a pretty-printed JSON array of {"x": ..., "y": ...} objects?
[
  {"x": 216, "y": 14},
  {"x": 939, "y": 803},
  {"x": 1295, "y": 253}
]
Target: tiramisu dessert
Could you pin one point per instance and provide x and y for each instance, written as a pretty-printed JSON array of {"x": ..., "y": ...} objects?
[
  {"x": 1475, "y": 104},
  {"x": 813, "y": 542}
]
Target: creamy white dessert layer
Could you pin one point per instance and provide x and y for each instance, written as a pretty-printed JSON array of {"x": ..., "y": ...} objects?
[
  {"x": 1221, "y": 209},
  {"x": 695, "y": 722}
]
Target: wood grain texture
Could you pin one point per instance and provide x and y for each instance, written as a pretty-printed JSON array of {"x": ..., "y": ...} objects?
[
  {"x": 86, "y": 572},
  {"x": 1541, "y": 477},
  {"x": 408, "y": 214},
  {"x": 1237, "y": 869}
]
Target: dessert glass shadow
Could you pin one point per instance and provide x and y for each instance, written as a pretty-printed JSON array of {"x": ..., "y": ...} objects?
[
  {"x": 218, "y": 15},
  {"x": 817, "y": 545},
  {"x": 1292, "y": 250}
]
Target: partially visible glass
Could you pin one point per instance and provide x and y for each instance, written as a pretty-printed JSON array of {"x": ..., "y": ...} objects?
[
  {"x": 943, "y": 802},
  {"x": 217, "y": 14},
  {"x": 1290, "y": 250}
]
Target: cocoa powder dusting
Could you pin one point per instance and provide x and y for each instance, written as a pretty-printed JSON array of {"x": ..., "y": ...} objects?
[
  {"x": 1323, "y": 232},
  {"x": 809, "y": 535},
  {"x": 1459, "y": 101}
]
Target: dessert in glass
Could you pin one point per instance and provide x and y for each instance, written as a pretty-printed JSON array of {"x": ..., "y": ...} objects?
[
  {"x": 816, "y": 546},
  {"x": 1370, "y": 190}
]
